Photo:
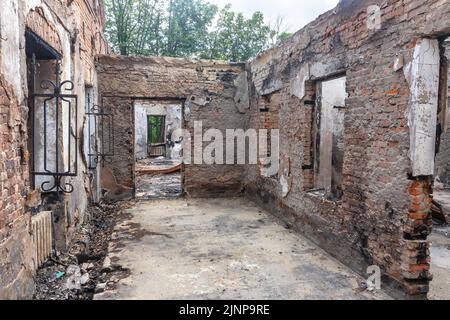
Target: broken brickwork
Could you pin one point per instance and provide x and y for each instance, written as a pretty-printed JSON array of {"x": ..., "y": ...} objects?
[
  {"x": 15, "y": 246},
  {"x": 73, "y": 30},
  {"x": 209, "y": 92},
  {"x": 383, "y": 216},
  {"x": 377, "y": 210}
]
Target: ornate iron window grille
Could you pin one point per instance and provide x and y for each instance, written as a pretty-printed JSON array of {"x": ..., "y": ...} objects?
[
  {"x": 64, "y": 104},
  {"x": 101, "y": 150}
]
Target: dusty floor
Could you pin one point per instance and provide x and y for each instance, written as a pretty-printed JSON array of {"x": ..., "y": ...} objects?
[
  {"x": 221, "y": 249},
  {"x": 154, "y": 186},
  {"x": 440, "y": 264}
]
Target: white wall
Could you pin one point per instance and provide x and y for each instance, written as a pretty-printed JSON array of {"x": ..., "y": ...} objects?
[
  {"x": 142, "y": 109},
  {"x": 10, "y": 54},
  {"x": 423, "y": 76}
]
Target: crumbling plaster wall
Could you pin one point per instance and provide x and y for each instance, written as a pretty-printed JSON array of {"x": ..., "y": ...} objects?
[
  {"x": 383, "y": 217},
  {"x": 210, "y": 93},
  {"x": 57, "y": 23}
]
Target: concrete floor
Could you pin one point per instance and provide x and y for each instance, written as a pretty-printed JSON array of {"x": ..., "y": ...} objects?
[
  {"x": 440, "y": 264},
  {"x": 221, "y": 249}
]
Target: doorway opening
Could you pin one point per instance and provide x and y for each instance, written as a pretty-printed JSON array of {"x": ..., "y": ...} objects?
[
  {"x": 328, "y": 141},
  {"x": 158, "y": 167}
]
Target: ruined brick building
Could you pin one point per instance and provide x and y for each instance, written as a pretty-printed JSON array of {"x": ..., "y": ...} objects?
[
  {"x": 360, "y": 97},
  {"x": 35, "y": 37}
]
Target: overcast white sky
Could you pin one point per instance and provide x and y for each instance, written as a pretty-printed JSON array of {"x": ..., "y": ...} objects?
[{"x": 296, "y": 13}]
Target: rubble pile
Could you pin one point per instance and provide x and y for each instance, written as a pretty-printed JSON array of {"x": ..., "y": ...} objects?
[{"x": 82, "y": 271}]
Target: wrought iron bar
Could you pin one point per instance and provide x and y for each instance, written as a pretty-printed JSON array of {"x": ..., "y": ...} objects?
[
  {"x": 104, "y": 121},
  {"x": 54, "y": 91}
]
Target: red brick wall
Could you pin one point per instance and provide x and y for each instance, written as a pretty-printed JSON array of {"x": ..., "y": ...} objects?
[
  {"x": 14, "y": 175},
  {"x": 122, "y": 79},
  {"x": 16, "y": 250},
  {"x": 91, "y": 37},
  {"x": 373, "y": 221},
  {"x": 15, "y": 243}
]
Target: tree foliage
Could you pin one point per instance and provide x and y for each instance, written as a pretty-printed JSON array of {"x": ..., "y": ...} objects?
[
  {"x": 188, "y": 24},
  {"x": 187, "y": 28},
  {"x": 236, "y": 38},
  {"x": 133, "y": 26}
]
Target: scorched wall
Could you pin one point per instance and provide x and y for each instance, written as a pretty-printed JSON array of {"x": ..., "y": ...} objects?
[
  {"x": 73, "y": 29},
  {"x": 209, "y": 92},
  {"x": 383, "y": 216}
]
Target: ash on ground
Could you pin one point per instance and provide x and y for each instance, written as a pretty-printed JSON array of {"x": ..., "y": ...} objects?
[{"x": 83, "y": 271}]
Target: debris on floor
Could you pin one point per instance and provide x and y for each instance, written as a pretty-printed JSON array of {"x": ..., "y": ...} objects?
[
  {"x": 81, "y": 272},
  {"x": 441, "y": 206},
  {"x": 157, "y": 164},
  {"x": 158, "y": 178},
  {"x": 160, "y": 186}
]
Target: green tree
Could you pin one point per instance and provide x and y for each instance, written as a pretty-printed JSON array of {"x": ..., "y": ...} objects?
[
  {"x": 236, "y": 38},
  {"x": 188, "y": 27},
  {"x": 176, "y": 28},
  {"x": 184, "y": 28},
  {"x": 283, "y": 36},
  {"x": 133, "y": 26},
  {"x": 148, "y": 38}
]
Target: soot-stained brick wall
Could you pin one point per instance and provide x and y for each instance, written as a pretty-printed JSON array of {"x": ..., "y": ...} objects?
[
  {"x": 209, "y": 91},
  {"x": 16, "y": 253},
  {"x": 57, "y": 23},
  {"x": 443, "y": 156},
  {"x": 383, "y": 216}
]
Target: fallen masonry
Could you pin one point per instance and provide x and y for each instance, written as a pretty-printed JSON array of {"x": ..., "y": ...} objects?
[
  {"x": 352, "y": 154},
  {"x": 82, "y": 271}
]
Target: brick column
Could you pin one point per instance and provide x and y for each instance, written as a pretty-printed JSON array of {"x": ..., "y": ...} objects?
[{"x": 416, "y": 256}]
